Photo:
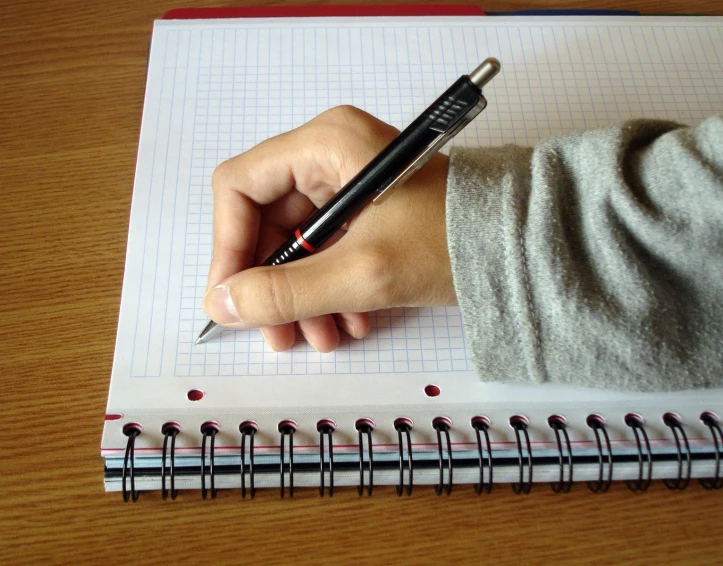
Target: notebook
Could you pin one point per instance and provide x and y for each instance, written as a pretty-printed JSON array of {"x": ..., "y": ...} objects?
[{"x": 404, "y": 406}]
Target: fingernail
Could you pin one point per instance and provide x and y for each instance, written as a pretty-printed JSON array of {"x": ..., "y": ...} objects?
[
  {"x": 218, "y": 302},
  {"x": 267, "y": 340},
  {"x": 311, "y": 343}
]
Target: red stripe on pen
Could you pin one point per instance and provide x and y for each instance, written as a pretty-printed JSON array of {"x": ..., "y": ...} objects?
[{"x": 303, "y": 243}]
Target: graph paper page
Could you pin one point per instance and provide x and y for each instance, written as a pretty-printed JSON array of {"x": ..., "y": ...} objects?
[{"x": 218, "y": 87}]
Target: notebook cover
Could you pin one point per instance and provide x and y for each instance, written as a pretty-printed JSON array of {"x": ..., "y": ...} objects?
[{"x": 325, "y": 11}]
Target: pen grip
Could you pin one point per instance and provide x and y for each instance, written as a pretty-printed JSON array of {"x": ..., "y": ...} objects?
[{"x": 291, "y": 250}]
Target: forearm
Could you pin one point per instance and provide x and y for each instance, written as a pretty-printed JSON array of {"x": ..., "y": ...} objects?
[{"x": 595, "y": 258}]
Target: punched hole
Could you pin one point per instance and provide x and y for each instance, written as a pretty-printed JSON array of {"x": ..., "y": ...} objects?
[
  {"x": 432, "y": 390},
  {"x": 708, "y": 418},
  {"x": 195, "y": 395},
  {"x": 672, "y": 419},
  {"x": 556, "y": 420},
  {"x": 364, "y": 425},
  {"x": 519, "y": 421},
  {"x": 132, "y": 428},
  {"x": 634, "y": 419},
  {"x": 595, "y": 421},
  {"x": 479, "y": 422}
]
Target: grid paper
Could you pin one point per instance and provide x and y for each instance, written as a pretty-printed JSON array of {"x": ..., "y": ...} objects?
[{"x": 216, "y": 89}]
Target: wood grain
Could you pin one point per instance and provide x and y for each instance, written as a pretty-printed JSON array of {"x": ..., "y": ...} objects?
[{"x": 72, "y": 81}]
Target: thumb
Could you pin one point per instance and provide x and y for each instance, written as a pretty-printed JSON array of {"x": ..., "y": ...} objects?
[{"x": 328, "y": 282}]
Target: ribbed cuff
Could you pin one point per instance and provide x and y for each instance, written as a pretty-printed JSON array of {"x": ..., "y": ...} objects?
[{"x": 487, "y": 192}]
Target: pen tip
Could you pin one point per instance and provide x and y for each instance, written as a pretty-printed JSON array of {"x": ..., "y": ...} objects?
[{"x": 211, "y": 329}]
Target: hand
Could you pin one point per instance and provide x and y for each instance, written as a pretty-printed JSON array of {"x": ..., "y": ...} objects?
[{"x": 394, "y": 254}]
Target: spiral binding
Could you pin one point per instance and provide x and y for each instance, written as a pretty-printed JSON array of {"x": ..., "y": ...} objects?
[
  {"x": 711, "y": 421},
  {"x": 365, "y": 426},
  {"x": 209, "y": 430},
  {"x": 597, "y": 424},
  {"x": 404, "y": 425},
  {"x": 169, "y": 430},
  {"x": 442, "y": 426},
  {"x": 131, "y": 430},
  {"x": 636, "y": 422},
  {"x": 520, "y": 423},
  {"x": 681, "y": 482},
  {"x": 326, "y": 428},
  {"x": 287, "y": 428},
  {"x": 557, "y": 423},
  {"x": 482, "y": 424},
  {"x": 247, "y": 429}
]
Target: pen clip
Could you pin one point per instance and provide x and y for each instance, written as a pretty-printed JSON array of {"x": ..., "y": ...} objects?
[{"x": 431, "y": 149}]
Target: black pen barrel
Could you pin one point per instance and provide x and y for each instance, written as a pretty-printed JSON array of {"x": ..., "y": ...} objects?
[{"x": 381, "y": 171}]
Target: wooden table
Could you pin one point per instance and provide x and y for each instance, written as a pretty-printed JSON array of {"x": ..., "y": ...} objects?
[{"x": 72, "y": 92}]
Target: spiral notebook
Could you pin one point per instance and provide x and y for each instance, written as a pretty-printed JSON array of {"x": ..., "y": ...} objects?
[{"x": 404, "y": 406}]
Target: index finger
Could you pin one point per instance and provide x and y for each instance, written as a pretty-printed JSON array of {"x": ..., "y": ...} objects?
[
  {"x": 316, "y": 159},
  {"x": 260, "y": 176}
]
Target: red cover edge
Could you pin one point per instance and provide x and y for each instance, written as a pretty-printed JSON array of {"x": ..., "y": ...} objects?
[{"x": 325, "y": 11}]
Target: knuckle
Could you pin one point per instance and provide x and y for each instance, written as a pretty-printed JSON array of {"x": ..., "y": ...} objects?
[
  {"x": 220, "y": 176},
  {"x": 349, "y": 137},
  {"x": 277, "y": 298},
  {"x": 346, "y": 115}
]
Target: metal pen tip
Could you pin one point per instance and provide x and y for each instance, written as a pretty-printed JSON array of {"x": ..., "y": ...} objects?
[{"x": 208, "y": 332}]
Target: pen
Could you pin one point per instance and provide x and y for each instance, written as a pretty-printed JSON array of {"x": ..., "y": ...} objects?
[{"x": 411, "y": 149}]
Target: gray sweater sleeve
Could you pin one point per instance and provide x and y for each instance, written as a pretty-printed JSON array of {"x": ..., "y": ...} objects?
[{"x": 594, "y": 258}]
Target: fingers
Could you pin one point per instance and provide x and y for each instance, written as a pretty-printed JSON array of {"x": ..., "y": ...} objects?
[
  {"x": 238, "y": 195},
  {"x": 379, "y": 264},
  {"x": 333, "y": 280},
  {"x": 315, "y": 159},
  {"x": 235, "y": 233},
  {"x": 355, "y": 324},
  {"x": 280, "y": 338},
  {"x": 263, "y": 194},
  {"x": 321, "y": 332}
]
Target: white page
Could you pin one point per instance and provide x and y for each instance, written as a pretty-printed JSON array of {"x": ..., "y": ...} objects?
[{"x": 218, "y": 87}]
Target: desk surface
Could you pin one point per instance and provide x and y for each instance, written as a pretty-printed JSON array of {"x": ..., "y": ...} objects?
[{"x": 72, "y": 76}]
